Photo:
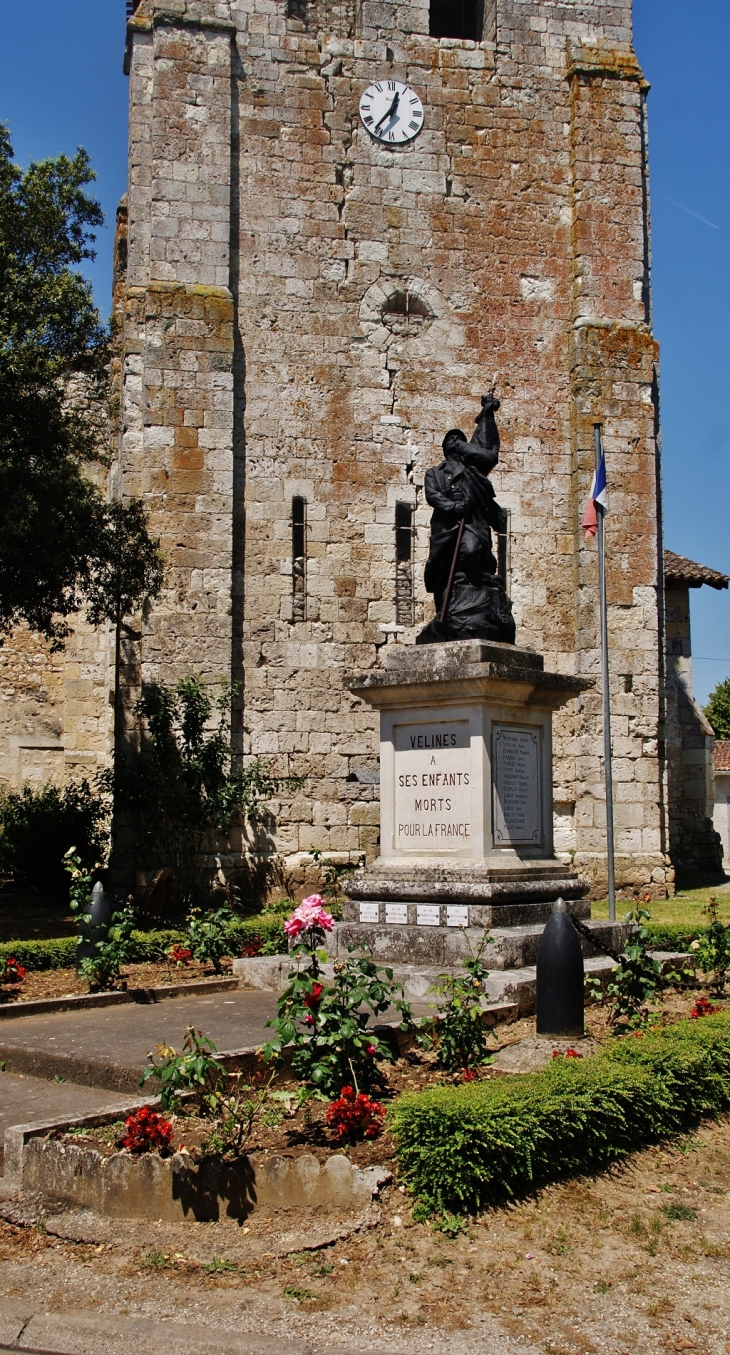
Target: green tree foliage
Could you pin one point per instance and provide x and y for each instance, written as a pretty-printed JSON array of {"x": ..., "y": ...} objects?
[
  {"x": 37, "y": 827},
  {"x": 60, "y": 542},
  {"x": 717, "y": 710}
]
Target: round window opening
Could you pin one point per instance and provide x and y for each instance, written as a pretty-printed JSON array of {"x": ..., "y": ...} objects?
[{"x": 406, "y": 314}]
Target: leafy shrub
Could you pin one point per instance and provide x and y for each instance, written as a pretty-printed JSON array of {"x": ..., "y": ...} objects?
[
  {"x": 461, "y": 1036},
  {"x": 150, "y": 947},
  {"x": 59, "y": 953},
  {"x": 672, "y": 936},
  {"x": 634, "y": 983},
  {"x": 194, "y": 1069},
  {"x": 355, "y": 1116},
  {"x": 712, "y": 951},
  {"x": 146, "y": 1130},
  {"x": 461, "y": 1148},
  {"x": 110, "y": 948},
  {"x": 211, "y": 935},
  {"x": 236, "y": 1108},
  {"x": 325, "y": 1025},
  {"x": 39, "y": 826}
]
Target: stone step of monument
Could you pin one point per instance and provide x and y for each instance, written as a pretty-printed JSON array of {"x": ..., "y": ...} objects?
[
  {"x": 509, "y": 947},
  {"x": 508, "y": 992}
]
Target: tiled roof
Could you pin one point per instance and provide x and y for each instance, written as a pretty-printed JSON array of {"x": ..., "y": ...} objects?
[
  {"x": 722, "y": 755},
  {"x": 677, "y": 569}
]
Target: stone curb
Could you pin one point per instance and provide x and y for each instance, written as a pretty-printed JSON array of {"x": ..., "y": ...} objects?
[{"x": 82, "y": 1001}]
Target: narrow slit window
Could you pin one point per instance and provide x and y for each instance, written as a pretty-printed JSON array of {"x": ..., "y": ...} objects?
[
  {"x": 504, "y": 560},
  {"x": 404, "y": 564},
  {"x": 299, "y": 557},
  {"x": 457, "y": 19}
]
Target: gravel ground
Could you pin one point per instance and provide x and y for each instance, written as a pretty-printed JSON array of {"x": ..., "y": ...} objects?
[{"x": 635, "y": 1260}]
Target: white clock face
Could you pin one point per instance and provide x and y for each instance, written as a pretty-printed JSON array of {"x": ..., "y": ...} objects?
[{"x": 391, "y": 111}]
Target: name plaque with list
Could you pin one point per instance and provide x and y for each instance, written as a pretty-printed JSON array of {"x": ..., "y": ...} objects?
[
  {"x": 432, "y": 800},
  {"x": 516, "y": 785}
]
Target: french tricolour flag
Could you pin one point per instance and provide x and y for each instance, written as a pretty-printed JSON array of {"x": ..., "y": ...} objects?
[{"x": 596, "y": 500}]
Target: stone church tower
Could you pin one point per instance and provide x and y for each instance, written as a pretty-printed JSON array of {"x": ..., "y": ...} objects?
[{"x": 305, "y": 310}]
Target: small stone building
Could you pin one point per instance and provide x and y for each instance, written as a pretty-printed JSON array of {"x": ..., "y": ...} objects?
[
  {"x": 721, "y": 815},
  {"x": 303, "y": 311},
  {"x": 693, "y": 839}
]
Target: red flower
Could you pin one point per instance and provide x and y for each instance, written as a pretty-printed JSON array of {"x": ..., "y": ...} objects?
[
  {"x": 11, "y": 971},
  {"x": 572, "y": 1054},
  {"x": 179, "y": 955},
  {"x": 146, "y": 1130},
  {"x": 313, "y": 999},
  {"x": 252, "y": 947},
  {"x": 354, "y": 1116},
  {"x": 371, "y": 1050},
  {"x": 702, "y": 1008},
  {"x": 469, "y": 1074}
]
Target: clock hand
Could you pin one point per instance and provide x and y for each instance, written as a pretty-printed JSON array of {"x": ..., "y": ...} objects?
[{"x": 389, "y": 113}]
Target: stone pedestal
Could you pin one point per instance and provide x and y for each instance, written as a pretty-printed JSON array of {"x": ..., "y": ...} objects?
[{"x": 466, "y": 802}]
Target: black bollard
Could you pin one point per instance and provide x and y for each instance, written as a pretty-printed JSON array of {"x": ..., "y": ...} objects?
[
  {"x": 560, "y": 976},
  {"x": 94, "y": 925}
]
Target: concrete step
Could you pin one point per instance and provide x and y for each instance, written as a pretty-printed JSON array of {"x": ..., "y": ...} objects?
[
  {"x": 515, "y": 987},
  {"x": 508, "y": 948}
]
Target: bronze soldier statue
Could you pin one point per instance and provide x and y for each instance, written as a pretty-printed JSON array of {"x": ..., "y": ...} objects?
[{"x": 462, "y": 572}]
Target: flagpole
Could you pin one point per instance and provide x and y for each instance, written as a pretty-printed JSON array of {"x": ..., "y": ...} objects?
[{"x": 606, "y": 689}]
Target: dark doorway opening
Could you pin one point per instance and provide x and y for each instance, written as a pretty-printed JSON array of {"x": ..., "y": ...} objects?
[{"x": 457, "y": 19}]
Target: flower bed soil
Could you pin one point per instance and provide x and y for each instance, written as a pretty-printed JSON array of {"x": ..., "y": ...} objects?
[
  {"x": 45, "y": 983},
  {"x": 305, "y": 1131}
]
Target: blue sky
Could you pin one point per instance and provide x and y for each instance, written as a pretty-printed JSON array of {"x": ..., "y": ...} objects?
[{"x": 61, "y": 85}]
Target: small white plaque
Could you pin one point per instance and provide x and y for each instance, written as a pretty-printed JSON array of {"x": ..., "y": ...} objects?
[
  {"x": 396, "y": 912},
  {"x": 427, "y": 915},
  {"x": 457, "y": 917},
  {"x": 369, "y": 912}
]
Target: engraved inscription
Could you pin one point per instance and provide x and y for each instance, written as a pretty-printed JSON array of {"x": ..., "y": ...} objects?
[
  {"x": 396, "y": 912},
  {"x": 432, "y": 786},
  {"x": 457, "y": 917},
  {"x": 516, "y": 785},
  {"x": 369, "y": 912},
  {"x": 427, "y": 915}
]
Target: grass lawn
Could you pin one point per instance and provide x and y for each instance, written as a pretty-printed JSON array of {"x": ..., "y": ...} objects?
[{"x": 685, "y": 909}]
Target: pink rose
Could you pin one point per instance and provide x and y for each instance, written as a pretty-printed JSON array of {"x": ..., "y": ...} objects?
[{"x": 310, "y": 915}]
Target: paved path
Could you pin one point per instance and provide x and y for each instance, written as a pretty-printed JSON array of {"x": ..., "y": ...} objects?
[
  {"x": 74, "y": 1332},
  {"x": 24, "y": 1098},
  {"x": 107, "y": 1047}
]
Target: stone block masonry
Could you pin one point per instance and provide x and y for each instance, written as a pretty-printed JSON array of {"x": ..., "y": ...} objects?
[{"x": 306, "y": 312}]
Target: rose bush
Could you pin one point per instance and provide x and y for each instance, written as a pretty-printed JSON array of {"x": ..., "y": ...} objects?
[
  {"x": 146, "y": 1131},
  {"x": 355, "y": 1116}
]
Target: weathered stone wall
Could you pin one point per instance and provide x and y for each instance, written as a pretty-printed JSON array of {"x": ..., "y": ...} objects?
[
  {"x": 694, "y": 842},
  {"x": 268, "y": 237}
]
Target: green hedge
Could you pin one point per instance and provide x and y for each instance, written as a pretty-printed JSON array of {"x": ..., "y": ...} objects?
[
  {"x": 60, "y": 953},
  {"x": 462, "y": 1148},
  {"x": 672, "y": 935}
]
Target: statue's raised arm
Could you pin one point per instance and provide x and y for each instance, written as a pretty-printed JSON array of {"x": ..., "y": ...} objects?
[{"x": 461, "y": 572}]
